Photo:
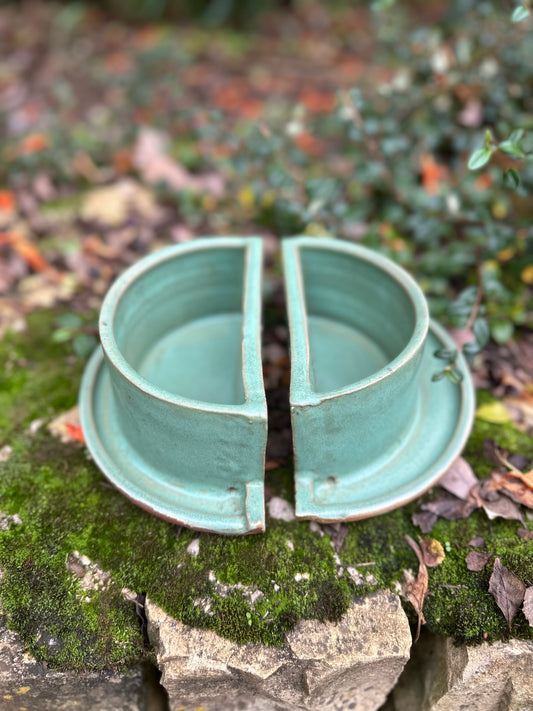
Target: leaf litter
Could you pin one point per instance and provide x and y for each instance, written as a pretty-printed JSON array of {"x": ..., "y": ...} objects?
[
  {"x": 507, "y": 589},
  {"x": 415, "y": 590}
]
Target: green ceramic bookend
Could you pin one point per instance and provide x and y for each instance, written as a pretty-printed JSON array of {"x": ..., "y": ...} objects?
[
  {"x": 371, "y": 430},
  {"x": 172, "y": 406}
]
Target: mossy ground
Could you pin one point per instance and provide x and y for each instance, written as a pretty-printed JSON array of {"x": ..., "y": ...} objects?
[{"x": 65, "y": 504}]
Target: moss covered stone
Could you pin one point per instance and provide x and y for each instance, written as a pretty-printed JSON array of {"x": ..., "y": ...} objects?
[{"x": 252, "y": 588}]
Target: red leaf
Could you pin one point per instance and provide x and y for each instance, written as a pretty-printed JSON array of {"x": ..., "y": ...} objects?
[
  {"x": 432, "y": 173},
  {"x": 75, "y": 432},
  {"x": 7, "y": 201}
]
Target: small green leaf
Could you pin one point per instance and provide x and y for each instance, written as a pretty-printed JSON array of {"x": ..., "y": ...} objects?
[
  {"x": 481, "y": 330},
  {"x": 454, "y": 375},
  {"x": 516, "y": 135},
  {"x": 520, "y": 13},
  {"x": 69, "y": 320},
  {"x": 83, "y": 344},
  {"x": 438, "y": 376},
  {"x": 494, "y": 412},
  {"x": 61, "y": 335},
  {"x": 445, "y": 354},
  {"x": 502, "y": 331},
  {"x": 512, "y": 178},
  {"x": 479, "y": 158},
  {"x": 511, "y": 149}
]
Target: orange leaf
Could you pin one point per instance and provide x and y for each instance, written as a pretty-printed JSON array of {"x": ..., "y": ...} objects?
[
  {"x": 525, "y": 477},
  {"x": 118, "y": 63},
  {"x": 432, "y": 173},
  {"x": 309, "y": 144},
  {"x": 318, "y": 101},
  {"x": 7, "y": 201},
  {"x": 75, "y": 432},
  {"x": 27, "y": 251},
  {"x": 483, "y": 182},
  {"x": 34, "y": 143}
]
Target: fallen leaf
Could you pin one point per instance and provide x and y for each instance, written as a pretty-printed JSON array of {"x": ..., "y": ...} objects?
[
  {"x": 432, "y": 551},
  {"x": 416, "y": 590},
  {"x": 432, "y": 173},
  {"x": 425, "y": 520},
  {"x": 511, "y": 486},
  {"x": 310, "y": 144},
  {"x": 28, "y": 251},
  {"x": 459, "y": 479},
  {"x": 337, "y": 533},
  {"x": 493, "y": 452},
  {"x": 503, "y": 507},
  {"x": 507, "y": 589},
  {"x": 75, "y": 432},
  {"x": 449, "y": 508},
  {"x": 525, "y": 477},
  {"x": 114, "y": 204},
  {"x": 34, "y": 143},
  {"x": 67, "y": 426},
  {"x": 528, "y": 605},
  {"x": 525, "y": 533},
  {"x": 493, "y": 412},
  {"x": 150, "y": 158},
  {"x": 476, "y": 561},
  {"x": 477, "y": 542},
  {"x": 318, "y": 101},
  {"x": 472, "y": 114},
  {"x": 7, "y": 201}
]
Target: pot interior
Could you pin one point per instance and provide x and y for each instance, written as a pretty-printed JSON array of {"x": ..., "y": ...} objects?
[
  {"x": 359, "y": 317},
  {"x": 179, "y": 325}
]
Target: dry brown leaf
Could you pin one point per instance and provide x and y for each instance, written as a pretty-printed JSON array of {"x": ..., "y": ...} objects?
[
  {"x": 503, "y": 507},
  {"x": 525, "y": 477},
  {"x": 477, "y": 542},
  {"x": 521, "y": 409},
  {"x": 459, "y": 479},
  {"x": 449, "y": 508},
  {"x": 507, "y": 589},
  {"x": 151, "y": 159},
  {"x": 425, "y": 520},
  {"x": 476, "y": 561},
  {"x": 525, "y": 533},
  {"x": 528, "y": 605},
  {"x": 509, "y": 485},
  {"x": 432, "y": 551},
  {"x": 416, "y": 590}
]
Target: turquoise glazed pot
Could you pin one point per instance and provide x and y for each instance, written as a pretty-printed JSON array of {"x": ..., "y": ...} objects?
[
  {"x": 371, "y": 430},
  {"x": 172, "y": 406}
]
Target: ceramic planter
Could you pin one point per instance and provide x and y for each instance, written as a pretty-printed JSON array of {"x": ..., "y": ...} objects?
[
  {"x": 371, "y": 430},
  {"x": 173, "y": 407}
]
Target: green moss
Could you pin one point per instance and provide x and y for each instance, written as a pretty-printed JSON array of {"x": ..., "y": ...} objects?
[{"x": 252, "y": 588}]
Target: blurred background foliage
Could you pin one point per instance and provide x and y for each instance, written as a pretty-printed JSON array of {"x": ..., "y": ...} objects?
[{"x": 426, "y": 157}]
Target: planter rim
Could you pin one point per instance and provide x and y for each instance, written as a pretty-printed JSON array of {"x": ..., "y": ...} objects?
[
  {"x": 302, "y": 394},
  {"x": 255, "y": 401}
]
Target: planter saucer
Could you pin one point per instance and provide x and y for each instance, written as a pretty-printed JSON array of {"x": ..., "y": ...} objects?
[
  {"x": 223, "y": 510},
  {"x": 436, "y": 438}
]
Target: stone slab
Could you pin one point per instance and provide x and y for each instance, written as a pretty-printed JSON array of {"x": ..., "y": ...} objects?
[
  {"x": 332, "y": 667},
  {"x": 445, "y": 677},
  {"x": 26, "y": 685}
]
